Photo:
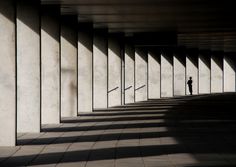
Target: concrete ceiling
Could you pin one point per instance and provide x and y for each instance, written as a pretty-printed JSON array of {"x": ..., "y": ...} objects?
[{"x": 211, "y": 19}]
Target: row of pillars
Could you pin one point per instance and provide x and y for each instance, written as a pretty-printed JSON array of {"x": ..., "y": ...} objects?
[{"x": 50, "y": 68}]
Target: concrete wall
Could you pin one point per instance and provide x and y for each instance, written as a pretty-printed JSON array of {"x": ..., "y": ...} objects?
[
  {"x": 129, "y": 73},
  {"x": 179, "y": 72},
  {"x": 50, "y": 65},
  {"x": 68, "y": 68},
  {"x": 28, "y": 66},
  {"x": 217, "y": 72},
  {"x": 85, "y": 58},
  {"x": 114, "y": 71},
  {"x": 141, "y": 74},
  {"x": 7, "y": 74},
  {"x": 100, "y": 50},
  {"x": 229, "y": 73},
  {"x": 166, "y": 74},
  {"x": 204, "y": 72},
  {"x": 154, "y": 74},
  {"x": 192, "y": 69}
]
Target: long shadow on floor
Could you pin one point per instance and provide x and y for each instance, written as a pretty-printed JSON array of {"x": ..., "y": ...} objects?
[{"x": 202, "y": 126}]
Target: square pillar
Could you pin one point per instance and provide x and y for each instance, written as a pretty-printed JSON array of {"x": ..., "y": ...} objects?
[
  {"x": 192, "y": 69},
  {"x": 68, "y": 66},
  {"x": 100, "y": 49},
  {"x": 204, "y": 71},
  {"x": 229, "y": 65},
  {"x": 217, "y": 72},
  {"x": 7, "y": 74},
  {"x": 122, "y": 72},
  {"x": 129, "y": 73},
  {"x": 166, "y": 74},
  {"x": 85, "y": 67},
  {"x": 114, "y": 70},
  {"x": 141, "y": 89},
  {"x": 154, "y": 74},
  {"x": 179, "y": 72},
  {"x": 50, "y": 65},
  {"x": 28, "y": 66}
]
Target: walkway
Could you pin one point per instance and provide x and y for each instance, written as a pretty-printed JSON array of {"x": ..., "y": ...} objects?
[{"x": 177, "y": 132}]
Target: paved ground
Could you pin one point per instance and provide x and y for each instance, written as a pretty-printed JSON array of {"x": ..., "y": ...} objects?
[{"x": 178, "y": 132}]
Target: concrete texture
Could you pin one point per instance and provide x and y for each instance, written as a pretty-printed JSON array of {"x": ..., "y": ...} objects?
[
  {"x": 28, "y": 67},
  {"x": 154, "y": 75},
  {"x": 229, "y": 73},
  {"x": 183, "y": 134},
  {"x": 129, "y": 73},
  {"x": 7, "y": 74},
  {"x": 100, "y": 49},
  {"x": 141, "y": 75},
  {"x": 204, "y": 72},
  {"x": 68, "y": 68},
  {"x": 192, "y": 70},
  {"x": 217, "y": 72},
  {"x": 166, "y": 74},
  {"x": 85, "y": 59},
  {"x": 122, "y": 71},
  {"x": 114, "y": 71},
  {"x": 50, "y": 65},
  {"x": 179, "y": 61}
]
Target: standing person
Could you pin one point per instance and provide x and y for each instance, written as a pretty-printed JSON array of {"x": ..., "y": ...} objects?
[{"x": 190, "y": 87}]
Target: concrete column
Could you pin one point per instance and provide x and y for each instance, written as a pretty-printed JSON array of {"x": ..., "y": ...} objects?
[
  {"x": 204, "y": 72},
  {"x": 141, "y": 75},
  {"x": 28, "y": 66},
  {"x": 122, "y": 72},
  {"x": 166, "y": 74},
  {"x": 192, "y": 69},
  {"x": 217, "y": 72},
  {"x": 129, "y": 73},
  {"x": 154, "y": 74},
  {"x": 229, "y": 72},
  {"x": 100, "y": 50},
  {"x": 179, "y": 72},
  {"x": 7, "y": 74},
  {"x": 68, "y": 67},
  {"x": 50, "y": 65},
  {"x": 114, "y": 71},
  {"x": 85, "y": 68}
]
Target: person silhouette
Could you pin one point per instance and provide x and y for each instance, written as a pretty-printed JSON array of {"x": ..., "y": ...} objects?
[{"x": 190, "y": 87}]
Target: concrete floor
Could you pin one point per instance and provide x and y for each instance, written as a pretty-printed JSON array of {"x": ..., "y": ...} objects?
[{"x": 178, "y": 132}]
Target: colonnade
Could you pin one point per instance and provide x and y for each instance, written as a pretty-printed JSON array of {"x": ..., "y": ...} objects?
[{"x": 51, "y": 67}]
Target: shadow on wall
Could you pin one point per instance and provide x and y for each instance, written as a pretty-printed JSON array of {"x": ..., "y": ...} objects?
[
  {"x": 180, "y": 54},
  {"x": 49, "y": 13},
  {"x": 24, "y": 9},
  {"x": 114, "y": 44},
  {"x": 129, "y": 48},
  {"x": 5, "y": 9},
  {"x": 85, "y": 35},
  {"x": 155, "y": 53},
  {"x": 69, "y": 23},
  {"x": 101, "y": 35},
  {"x": 193, "y": 56},
  {"x": 231, "y": 59},
  {"x": 205, "y": 56},
  {"x": 202, "y": 126},
  {"x": 168, "y": 55},
  {"x": 50, "y": 20},
  {"x": 218, "y": 58},
  {"x": 142, "y": 53}
]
